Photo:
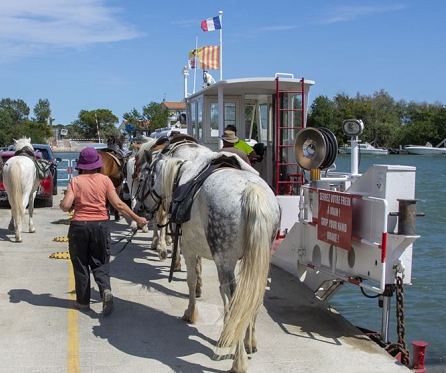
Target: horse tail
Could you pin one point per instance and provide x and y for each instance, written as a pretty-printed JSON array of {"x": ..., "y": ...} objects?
[
  {"x": 15, "y": 194},
  {"x": 247, "y": 299}
]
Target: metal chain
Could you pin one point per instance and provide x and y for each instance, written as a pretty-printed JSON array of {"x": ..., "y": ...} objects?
[{"x": 401, "y": 329}]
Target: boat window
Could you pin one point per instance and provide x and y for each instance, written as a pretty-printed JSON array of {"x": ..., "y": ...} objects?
[
  {"x": 291, "y": 116},
  {"x": 264, "y": 122},
  {"x": 200, "y": 121},
  {"x": 230, "y": 114},
  {"x": 250, "y": 128},
  {"x": 229, "y": 117},
  {"x": 297, "y": 117},
  {"x": 193, "y": 118},
  {"x": 214, "y": 120}
]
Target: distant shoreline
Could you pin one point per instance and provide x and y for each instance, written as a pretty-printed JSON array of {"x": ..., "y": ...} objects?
[{"x": 65, "y": 150}]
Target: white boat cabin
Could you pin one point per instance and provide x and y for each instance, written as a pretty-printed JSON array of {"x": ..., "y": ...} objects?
[{"x": 255, "y": 106}]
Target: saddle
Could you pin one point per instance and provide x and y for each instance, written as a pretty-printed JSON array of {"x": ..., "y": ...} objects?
[
  {"x": 116, "y": 152},
  {"x": 167, "y": 143},
  {"x": 184, "y": 195},
  {"x": 43, "y": 166},
  {"x": 119, "y": 157},
  {"x": 26, "y": 151}
]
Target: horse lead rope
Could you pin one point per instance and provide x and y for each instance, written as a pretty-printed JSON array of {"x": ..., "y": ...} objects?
[
  {"x": 175, "y": 250},
  {"x": 132, "y": 233}
]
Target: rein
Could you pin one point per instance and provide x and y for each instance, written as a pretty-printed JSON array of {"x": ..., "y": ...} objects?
[
  {"x": 151, "y": 192},
  {"x": 131, "y": 234}
]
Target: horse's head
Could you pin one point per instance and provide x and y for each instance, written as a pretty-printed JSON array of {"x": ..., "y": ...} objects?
[
  {"x": 147, "y": 200},
  {"x": 146, "y": 146},
  {"x": 113, "y": 140},
  {"x": 157, "y": 178},
  {"x": 23, "y": 142}
]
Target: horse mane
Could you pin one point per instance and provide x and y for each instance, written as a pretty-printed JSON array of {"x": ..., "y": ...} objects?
[
  {"x": 21, "y": 143},
  {"x": 144, "y": 146},
  {"x": 169, "y": 175}
]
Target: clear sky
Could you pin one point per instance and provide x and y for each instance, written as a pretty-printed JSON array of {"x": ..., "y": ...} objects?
[{"x": 124, "y": 54}]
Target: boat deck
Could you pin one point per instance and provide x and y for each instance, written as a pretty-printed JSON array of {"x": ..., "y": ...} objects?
[{"x": 41, "y": 332}]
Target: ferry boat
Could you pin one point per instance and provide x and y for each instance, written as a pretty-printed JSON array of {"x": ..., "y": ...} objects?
[{"x": 336, "y": 228}]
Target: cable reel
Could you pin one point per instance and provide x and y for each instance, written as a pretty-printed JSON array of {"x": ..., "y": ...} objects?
[{"x": 315, "y": 148}]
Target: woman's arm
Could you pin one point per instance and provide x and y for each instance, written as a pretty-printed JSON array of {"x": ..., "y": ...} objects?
[
  {"x": 123, "y": 209},
  {"x": 67, "y": 203}
]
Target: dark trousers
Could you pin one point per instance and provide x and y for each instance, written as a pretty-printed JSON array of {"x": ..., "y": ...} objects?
[{"x": 89, "y": 246}]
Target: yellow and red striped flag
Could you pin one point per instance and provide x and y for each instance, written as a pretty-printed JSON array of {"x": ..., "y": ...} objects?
[{"x": 206, "y": 58}]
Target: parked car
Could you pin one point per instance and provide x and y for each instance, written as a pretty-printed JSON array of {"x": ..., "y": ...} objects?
[{"x": 48, "y": 186}]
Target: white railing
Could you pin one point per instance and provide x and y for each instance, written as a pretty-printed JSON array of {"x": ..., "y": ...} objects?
[{"x": 66, "y": 167}]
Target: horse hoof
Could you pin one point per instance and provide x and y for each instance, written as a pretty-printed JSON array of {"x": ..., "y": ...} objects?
[
  {"x": 162, "y": 255},
  {"x": 198, "y": 293},
  {"x": 18, "y": 240},
  {"x": 187, "y": 319},
  {"x": 11, "y": 227},
  {"x": 32, "y": 231},
  {"x": 252, "y": 350}
]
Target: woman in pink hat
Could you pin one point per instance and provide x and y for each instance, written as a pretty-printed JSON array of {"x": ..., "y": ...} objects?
[{"x": 89, "y": 231}]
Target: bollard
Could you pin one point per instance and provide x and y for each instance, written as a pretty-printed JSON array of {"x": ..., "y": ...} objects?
[
  {"x": 407, "y": 213},
  {"x": 419, "y": 353}
]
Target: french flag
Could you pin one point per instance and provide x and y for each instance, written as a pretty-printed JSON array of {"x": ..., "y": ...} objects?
[{"x": 211, "y": 24}]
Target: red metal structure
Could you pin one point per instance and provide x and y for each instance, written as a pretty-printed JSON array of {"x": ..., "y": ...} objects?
[{"x": 284, "y": 126}]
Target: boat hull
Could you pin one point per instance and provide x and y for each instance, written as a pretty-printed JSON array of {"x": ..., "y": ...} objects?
[
  {"x": 370, "y": 151},
  {"x": 425, "y": 150}
]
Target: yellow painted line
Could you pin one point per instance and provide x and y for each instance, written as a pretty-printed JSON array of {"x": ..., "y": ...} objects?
[{"x": 73, "y": 328}]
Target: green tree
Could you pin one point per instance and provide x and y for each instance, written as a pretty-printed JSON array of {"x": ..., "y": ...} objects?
[
  {"x": 38, "y": 132},
  {"x": 17, "y": 110},
  {"x": 42, "y": 111},
  {"x": 322, "y": 114},
  {"x": 13, "y": 114},
  {"x": 156, "y": 115},
  {"x": 94, "y": 121},
  {"x": 134, "y": 117}
]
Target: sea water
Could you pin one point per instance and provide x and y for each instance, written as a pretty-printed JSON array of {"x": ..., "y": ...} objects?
[{"x": 425, "y": 299}]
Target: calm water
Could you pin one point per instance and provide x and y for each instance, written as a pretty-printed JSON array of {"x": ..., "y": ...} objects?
[{"x": 425, "y": 299}]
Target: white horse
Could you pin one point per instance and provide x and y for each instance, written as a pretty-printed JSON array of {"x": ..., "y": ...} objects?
[
  {"x": 179, "y": 146},
  {"x": 234, "y": 215},
  {"x": 21, "y": 183}
]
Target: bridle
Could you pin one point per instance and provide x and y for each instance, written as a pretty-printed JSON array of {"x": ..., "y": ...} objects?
[{"x": 146, "y": 189}]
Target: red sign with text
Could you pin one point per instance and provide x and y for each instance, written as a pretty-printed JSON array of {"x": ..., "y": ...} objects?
[{"x": 335, "y": 218}]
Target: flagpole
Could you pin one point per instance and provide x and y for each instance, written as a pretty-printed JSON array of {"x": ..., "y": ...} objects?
[
  {"x": 195, "y": 60},
  {"x": 220, "y": 14}
]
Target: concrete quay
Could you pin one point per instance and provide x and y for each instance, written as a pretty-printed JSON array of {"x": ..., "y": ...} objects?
[{"x": 41, "y": 332}]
